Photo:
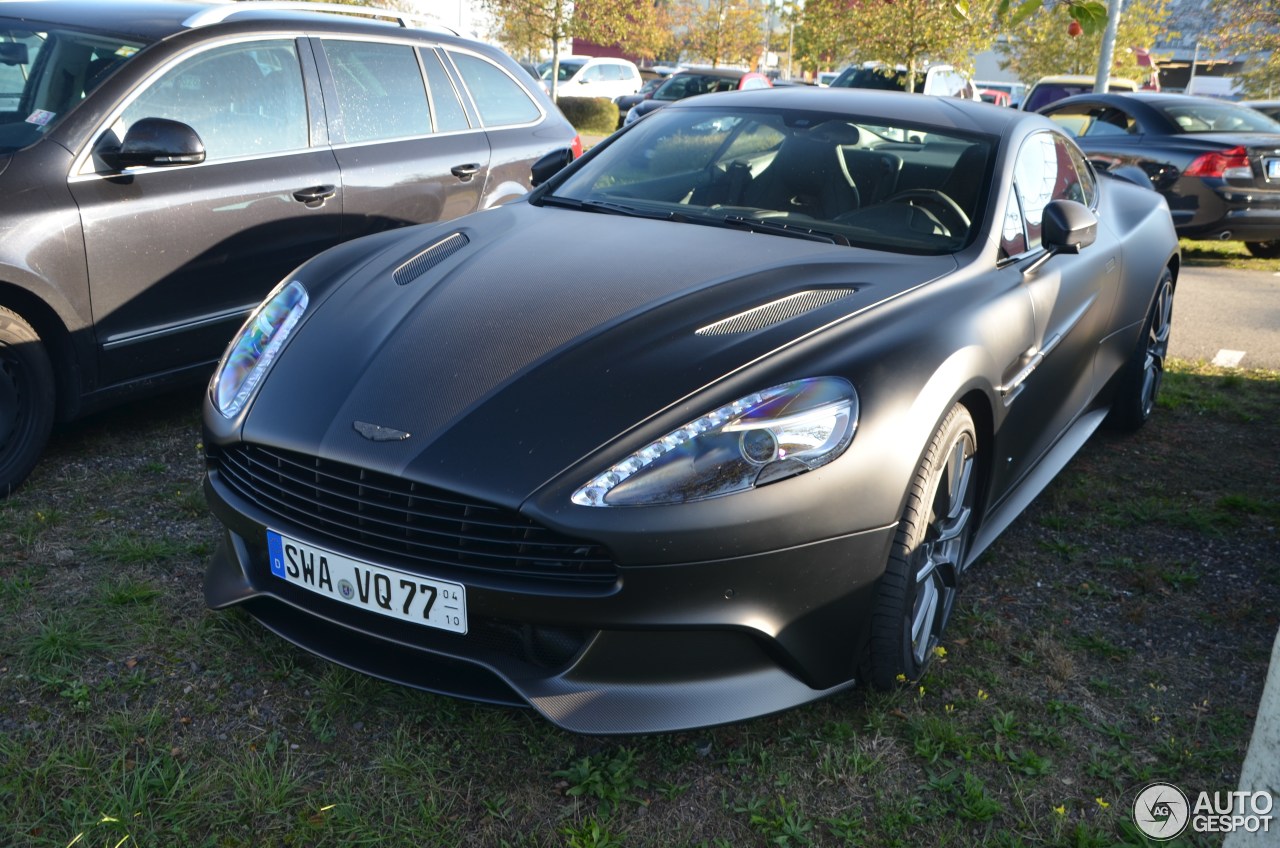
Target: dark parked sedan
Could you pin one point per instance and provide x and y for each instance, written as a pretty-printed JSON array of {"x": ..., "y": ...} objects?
[
  {"x": 691, "y": 83},
  {"x": 482, "y": 459},
  {"x": 1216, "y": 163},
  {"x": 162, "y": 164}
]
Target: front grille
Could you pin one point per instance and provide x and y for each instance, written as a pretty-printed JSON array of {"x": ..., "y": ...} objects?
[{"x": 383, "y": 515}]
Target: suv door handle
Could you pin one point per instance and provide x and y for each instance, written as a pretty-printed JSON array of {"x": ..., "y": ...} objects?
[
  {"x": 465, "y": 172},
  {"x": 315, "y": 196}
]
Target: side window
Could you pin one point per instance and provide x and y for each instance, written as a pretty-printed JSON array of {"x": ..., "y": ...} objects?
[
  {"x": 595, "y": 73},
  {"x": 449, "y": 113},
  {"x": 1013, "y": 236},
  {"x": 1049, "y": 168},
  {"x": 242, "y": 99},
  {"x": 499, "y": 98},
  {"x": 380, "y": 90}
]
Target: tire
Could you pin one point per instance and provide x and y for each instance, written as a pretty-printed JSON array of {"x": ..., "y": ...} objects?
[
  {"x": 1140, "y": 378},
  {"x": 26, "y": 400},
  {"x": 1264, "y": 249},
  {"x": 918, "y": 589}
]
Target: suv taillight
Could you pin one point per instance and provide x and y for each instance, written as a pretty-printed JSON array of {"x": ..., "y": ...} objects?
[{"x": 1225, "y": 164}]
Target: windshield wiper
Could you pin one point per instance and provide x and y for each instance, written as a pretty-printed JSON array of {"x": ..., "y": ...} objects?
[
  {"x": 610, "y": 207},
  {"x": 763, "y": 225}
]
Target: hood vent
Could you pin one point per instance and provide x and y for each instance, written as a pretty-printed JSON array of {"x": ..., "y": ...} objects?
[
  {"x": 429, "y": 258},
  {"x": 772, "y": 313}
]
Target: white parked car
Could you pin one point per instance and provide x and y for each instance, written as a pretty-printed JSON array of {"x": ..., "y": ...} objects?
[{"x": 587, "y": 76}]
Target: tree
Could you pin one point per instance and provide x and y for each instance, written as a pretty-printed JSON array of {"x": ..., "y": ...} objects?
[
  {"x": 723, "y": 32},
  {"x": 1041, "y": 45},
  {"x": 821, "y": 36},
  {"x": 1253, "y": 26},
  {"x": 526, "y": 26},
  {"x": 913, "y": 32}
]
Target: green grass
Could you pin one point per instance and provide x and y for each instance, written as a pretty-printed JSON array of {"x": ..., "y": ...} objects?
[
  {"x": 1224, "y": 254},
  {"x": 1115, "y": 634}
]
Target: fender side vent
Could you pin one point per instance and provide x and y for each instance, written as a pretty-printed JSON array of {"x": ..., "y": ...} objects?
[
  {"x": 429, "y": 258},
  {"x": 772, "y": 313}
]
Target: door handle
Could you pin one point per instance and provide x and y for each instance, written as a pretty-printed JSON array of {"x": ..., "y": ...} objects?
[
  {"x": 465, "y": 172},
  {"x": 315, "y": 196}
]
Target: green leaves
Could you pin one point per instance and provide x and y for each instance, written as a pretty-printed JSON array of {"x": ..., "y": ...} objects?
[{"x": 1091, "y": 14}]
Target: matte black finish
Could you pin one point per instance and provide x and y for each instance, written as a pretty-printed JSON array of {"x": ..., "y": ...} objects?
[
  {"x": 134, "y": 259},
  {"x": 517, "y": 360},
  {"x": 1245, "y": 207}
]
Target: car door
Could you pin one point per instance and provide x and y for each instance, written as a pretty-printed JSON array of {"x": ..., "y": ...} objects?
[
  {"x": 406, "y": 157},
  {"x": 1071, "y": 297},
  {"x": 178, "y": 256}
]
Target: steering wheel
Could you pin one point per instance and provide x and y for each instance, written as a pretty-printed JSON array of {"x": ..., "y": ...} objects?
[{"x": 953, "y": 217}]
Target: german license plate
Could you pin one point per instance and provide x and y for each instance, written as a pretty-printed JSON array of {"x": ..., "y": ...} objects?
[
  {"x": 385, "y": 591},
  {"x": 1273, "y": 169}
]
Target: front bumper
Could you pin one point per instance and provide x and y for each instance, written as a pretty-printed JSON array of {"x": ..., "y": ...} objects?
[{"x": 661, "y": 648}]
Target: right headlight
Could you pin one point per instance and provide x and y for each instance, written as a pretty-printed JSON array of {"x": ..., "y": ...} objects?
[
  {"x": 757, "y": 439},
  {"x": 256, "y": 346}
]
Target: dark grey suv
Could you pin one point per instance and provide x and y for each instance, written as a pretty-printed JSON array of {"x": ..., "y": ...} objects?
[{"x": 164, "y": 164}]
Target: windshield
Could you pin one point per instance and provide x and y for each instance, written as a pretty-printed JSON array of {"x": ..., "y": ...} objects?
[
  {"x": 817, "y": 175},
  {"x": 1218, "y": 117},
  {"x": 882, "y": 79},
  {"x": 45, "y": 73},
  {"x": 567, "y": 69}
]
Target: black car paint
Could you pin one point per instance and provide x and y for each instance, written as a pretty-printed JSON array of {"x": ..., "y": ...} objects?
[
  {"x": 1202, "y": 207},
  {"x": 699, "y": 626},
  {"x": 135, "y": 280}
]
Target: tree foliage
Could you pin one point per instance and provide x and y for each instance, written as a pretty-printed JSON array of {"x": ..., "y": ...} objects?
[
  {"x": 1041, "y": 44},
  {"x": 1253, "y": 26},
  {"x": 721, "y": 32},
  {"x": 821, "y": 35},
  {"x": 914, "y": 32}
]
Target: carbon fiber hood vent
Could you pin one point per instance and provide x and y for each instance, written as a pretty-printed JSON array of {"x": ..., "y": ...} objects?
[
  {"x": 774, "y": 312},
  {"x": 429, "y": 258}
]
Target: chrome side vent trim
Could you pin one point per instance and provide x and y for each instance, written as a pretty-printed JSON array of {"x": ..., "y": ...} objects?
[
  {"x": 772, "y": 313},
  {"x": 429, "y": 258}
]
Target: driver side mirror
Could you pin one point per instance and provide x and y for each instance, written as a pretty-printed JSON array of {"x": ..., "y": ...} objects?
[
  {"x": 14, "y": 53},
  {"x": 155, "y": 142},
  {"x": 550, "y": 165}
]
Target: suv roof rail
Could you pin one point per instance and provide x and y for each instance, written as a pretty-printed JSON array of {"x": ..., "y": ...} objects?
[{"x": 222, "y": 11}]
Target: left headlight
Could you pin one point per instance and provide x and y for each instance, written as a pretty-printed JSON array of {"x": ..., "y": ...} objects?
[
  {"x": 256, "y": 346},
  {"x": 757, "y": 439}
]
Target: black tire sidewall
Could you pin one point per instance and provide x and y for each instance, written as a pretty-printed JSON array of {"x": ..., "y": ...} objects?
[
  {"x": 1128, "y": 411},
  {"x": 22, "y": 351},
  {"x": 891, "y": 651}
]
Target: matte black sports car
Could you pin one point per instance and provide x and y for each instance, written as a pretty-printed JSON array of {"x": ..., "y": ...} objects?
[
  {"x": 1217, "y": 163},
  {"x": 481, "y": 459}
]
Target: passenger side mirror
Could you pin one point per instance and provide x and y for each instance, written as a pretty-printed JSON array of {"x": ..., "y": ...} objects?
[
  {"x": 158, "y": 143},
  {"x": 14, "y": 53},
  {"x": 1068, "y": 227},
  {"x": 550, "y": 165}
]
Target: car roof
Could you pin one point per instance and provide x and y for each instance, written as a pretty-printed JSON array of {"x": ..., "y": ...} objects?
[
  {"x": 153, "y": 20},
  {"x": 1079, "y": 79},
  {"x": 869, "y": 104},
  {"x": 726, "y": 73},
  {"x": 1152, "y": 99}
]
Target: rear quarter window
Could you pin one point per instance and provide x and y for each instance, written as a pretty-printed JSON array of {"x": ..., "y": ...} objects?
[{"x": 499, "y": 99}]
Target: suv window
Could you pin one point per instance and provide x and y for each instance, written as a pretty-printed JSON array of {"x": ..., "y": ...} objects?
[
  {"x": 242, "y": 99},
  {"x": 445, "y": 105},
  {"x": 381, "y": 94},
  {"x": 499, "y": 98}
]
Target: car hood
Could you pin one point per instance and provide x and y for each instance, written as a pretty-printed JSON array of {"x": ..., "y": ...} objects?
[
  {"x": 5, "y": 159},
  {"x": 545, "y": 335}
]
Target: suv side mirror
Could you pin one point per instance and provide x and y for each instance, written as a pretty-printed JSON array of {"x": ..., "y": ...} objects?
[
  {"x": 156, "y": 142},
  {"x": 550, "y": 165}
]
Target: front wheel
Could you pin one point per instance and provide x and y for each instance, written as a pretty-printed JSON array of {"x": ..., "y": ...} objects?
[
  {"x": 1141, "y": 377},
  {"x": 918, "y": 589},
  {"x": 26, "y": 400}
]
